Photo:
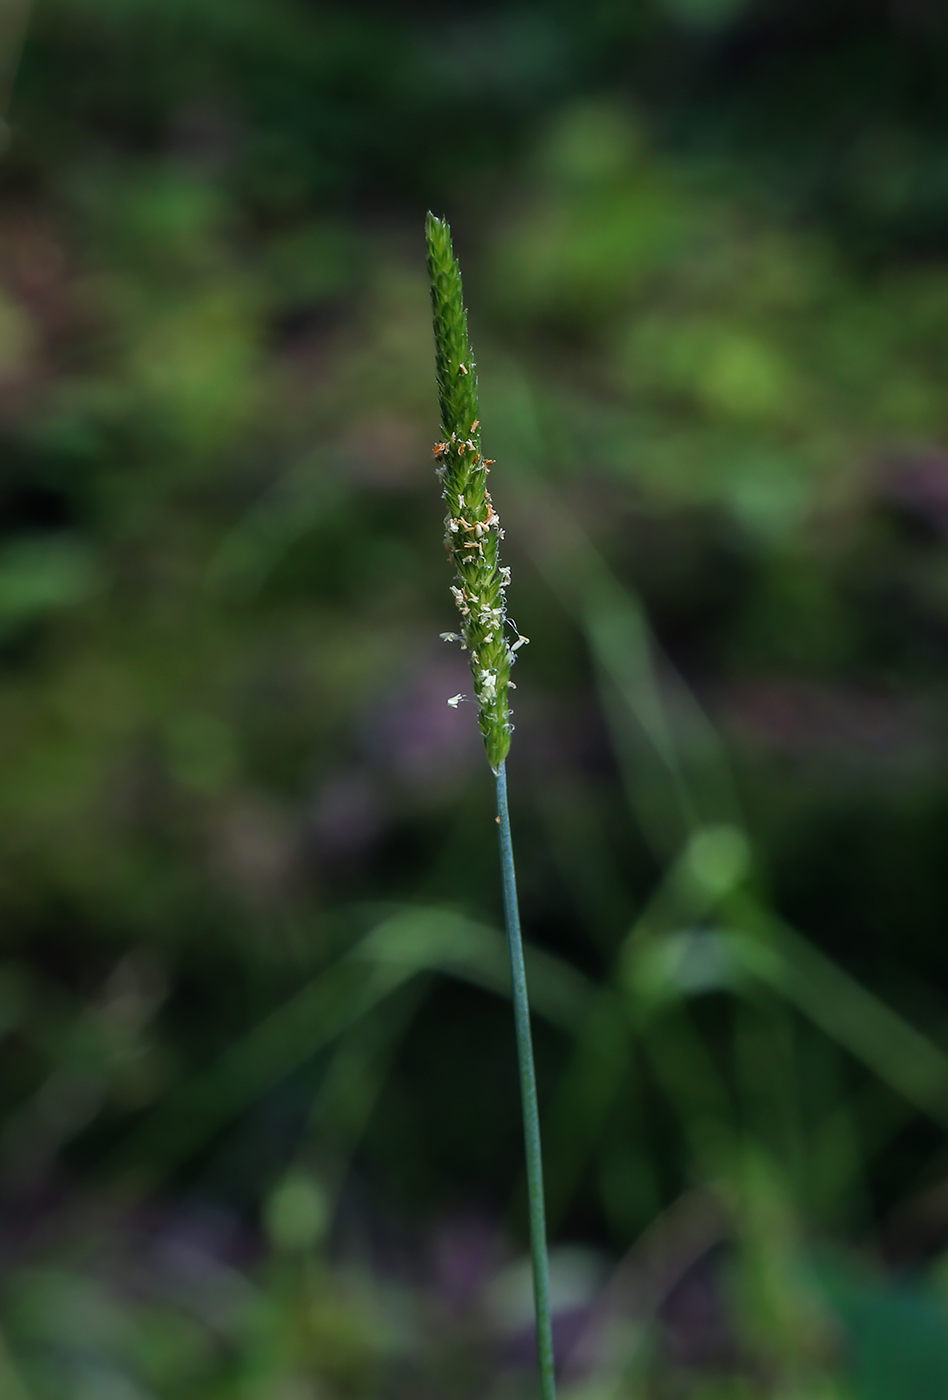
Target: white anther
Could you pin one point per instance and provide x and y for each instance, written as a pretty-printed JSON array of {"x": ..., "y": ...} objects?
[
  {"x": 488, "y": 616},
  {"x": 488, "y": 685}
]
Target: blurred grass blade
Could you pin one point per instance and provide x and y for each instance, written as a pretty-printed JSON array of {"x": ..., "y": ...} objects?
[
  {"x": 598, "y": 1067},
  {"x": 441, "y": 941},
  {"x": 355, "y": 1072},
  {"x": 258, "y": 542},
  {"x": 194, "y": 1112},
  {"x": 648, "y": 974},
  {"x": 12, "y": 1386},
  {"x": 407, "y": 945},
  {"x": 844, "y": 1009},
  {"x": 674, "y": 765},
  {"x": 14, "y": 22}
]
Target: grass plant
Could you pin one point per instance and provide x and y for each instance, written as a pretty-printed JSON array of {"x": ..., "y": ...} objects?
[{"x": 472, "y": 535}]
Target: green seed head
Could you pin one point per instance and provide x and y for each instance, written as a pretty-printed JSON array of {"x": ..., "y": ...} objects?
[{"x": 472, "y": 527}]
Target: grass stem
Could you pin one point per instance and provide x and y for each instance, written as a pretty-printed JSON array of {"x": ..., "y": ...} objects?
[{"x": 528, "y": 1093}]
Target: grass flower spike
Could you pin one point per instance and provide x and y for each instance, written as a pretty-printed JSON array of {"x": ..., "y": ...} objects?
[{"x": 472, "y": 526}]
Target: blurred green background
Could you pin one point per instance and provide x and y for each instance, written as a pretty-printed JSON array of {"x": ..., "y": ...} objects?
[{"x": 260, "y": 1134}]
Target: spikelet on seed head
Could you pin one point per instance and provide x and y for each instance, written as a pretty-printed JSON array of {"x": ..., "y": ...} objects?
[{"x": 472, "y": 526}]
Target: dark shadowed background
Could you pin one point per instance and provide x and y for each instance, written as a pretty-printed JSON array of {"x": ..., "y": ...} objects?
[{"x": 260, "y": 1134}]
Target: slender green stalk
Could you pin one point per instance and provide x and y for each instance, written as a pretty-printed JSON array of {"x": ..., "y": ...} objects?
[
  {"x": 472, "y": 533},
  {"x": 528, "y": 1095}
]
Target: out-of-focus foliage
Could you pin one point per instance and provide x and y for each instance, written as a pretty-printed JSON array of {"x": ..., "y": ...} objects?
[{"x": 259, "y": 1129}]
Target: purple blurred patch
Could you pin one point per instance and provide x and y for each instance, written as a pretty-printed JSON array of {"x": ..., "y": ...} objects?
[
  {"x": 346, "y": 815},
  {"x": 697, "y": 1329},
  {"x": 798, "y": 718},
  {"x": 414, "y": 734},
  {"x": 466, "y": 1253},
  {"x": 916, "y": 485},
  {"x": 570, "y": 1327}
]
